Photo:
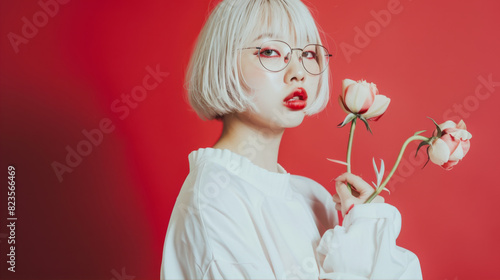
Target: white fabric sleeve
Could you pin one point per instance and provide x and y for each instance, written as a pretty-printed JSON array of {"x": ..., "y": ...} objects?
[{"x": 364, "y": 247}]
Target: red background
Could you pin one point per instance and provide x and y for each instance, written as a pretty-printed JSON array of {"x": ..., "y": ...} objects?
[{"x": 111, "y": 212}]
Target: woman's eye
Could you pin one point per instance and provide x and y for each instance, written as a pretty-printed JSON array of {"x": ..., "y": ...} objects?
[
  {"x": 269, "y": 53},
  {"x": 309, "y": 55}
]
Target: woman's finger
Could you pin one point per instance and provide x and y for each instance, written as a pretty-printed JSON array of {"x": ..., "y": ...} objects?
[
  {"x": 336, "y": 198},
  {"x": 361, "y": 186},
  {"x": 342, "y": 191},
  {"x": 346, "y": 198},
  {"x": 338, "y": 207},
  {"x": 354, "y": 192}
]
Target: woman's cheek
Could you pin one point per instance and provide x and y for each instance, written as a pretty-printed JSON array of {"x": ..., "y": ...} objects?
[
  {"x": 312, "y": 86},
  {"x": 254, "y": 75}
]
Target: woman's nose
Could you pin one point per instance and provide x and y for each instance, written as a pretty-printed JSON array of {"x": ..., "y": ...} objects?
[
  {"x": 296, "y": 52},
  {"x": 295, "y": 69}
]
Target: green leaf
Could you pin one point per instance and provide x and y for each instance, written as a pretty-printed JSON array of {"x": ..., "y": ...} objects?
[
  {"x": 338, "y": 161},
  {"x": 418, "y": 132},
  {"x": 380, "y": 174},
  {"x": 439, "y": 132},
  {"x": 366, "y": 124},
  {"x": 423, "y": 143},
  {"x": 428, "y": 158},
  {"x": 347, "y": 120}
]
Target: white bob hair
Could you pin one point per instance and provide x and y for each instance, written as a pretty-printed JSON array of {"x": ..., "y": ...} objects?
[{"x": 214, "y": 84}]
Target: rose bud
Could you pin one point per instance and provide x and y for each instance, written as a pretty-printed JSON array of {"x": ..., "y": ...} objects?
[
  {"x": 451, "y": 146},
  {"x": 362, "y": 98}
]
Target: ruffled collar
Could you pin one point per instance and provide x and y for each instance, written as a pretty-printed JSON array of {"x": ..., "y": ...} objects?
[{"x": 273, "y": 183}]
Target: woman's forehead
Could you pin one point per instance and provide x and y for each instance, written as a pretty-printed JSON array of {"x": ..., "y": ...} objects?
[
  {"x": 288, "y": 37},
  {"x": 289, "y": 22}
]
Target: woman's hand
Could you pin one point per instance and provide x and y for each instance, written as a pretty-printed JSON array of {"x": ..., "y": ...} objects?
[{"x": 361, "y": 191}]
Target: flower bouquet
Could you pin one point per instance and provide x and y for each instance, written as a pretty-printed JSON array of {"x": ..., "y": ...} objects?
[{"x": 448, "y": 144}]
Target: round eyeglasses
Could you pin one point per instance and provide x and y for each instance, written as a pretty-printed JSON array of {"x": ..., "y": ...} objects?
[{"x": 275, "y": 56}]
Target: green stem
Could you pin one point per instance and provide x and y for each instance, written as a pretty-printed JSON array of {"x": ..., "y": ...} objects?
[
  {"x": 381, "y": 187},
  {"x": 349, "y": 145},
  {"x": 349, "y": 149}
]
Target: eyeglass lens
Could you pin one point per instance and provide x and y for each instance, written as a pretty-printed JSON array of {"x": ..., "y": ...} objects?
[{"x": 275, "y": 56}]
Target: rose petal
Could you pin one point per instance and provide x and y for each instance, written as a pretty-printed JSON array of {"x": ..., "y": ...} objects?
[
  {"x": 458, "y": 154},
  {"x": 451, "y": 141},
  {"x": 439, "y": 153},
  {"x": 355, "y": 97},
  {"x": 447, "y": 124},
  {"x": 378, "y": 107},
  {"x": 449, "y": 165},
  {"x": 465, "y": 146},
  {"x": 342, "y": 105},
  {"x": 461, "y": 134},
  {"x": 366, "y": 105},
  {"x": 349, "y": 98},
  {"x": 461, "y": 125},
  {"x": 374, "y": 88},
  {"x": 345, "y": 84}
]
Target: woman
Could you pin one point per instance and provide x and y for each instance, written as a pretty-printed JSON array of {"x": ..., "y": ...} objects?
[{"x": 259, "y": 67}]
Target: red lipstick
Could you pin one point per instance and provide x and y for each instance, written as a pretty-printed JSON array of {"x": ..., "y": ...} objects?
[{"x": 297, "y": 100}]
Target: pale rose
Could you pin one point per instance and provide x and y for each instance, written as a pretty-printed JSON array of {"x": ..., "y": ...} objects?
[
  {"x": 363, "y": 98},
  {"x": 452, "y": 146}
]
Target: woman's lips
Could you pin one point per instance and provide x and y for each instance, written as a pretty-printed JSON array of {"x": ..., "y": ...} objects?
[{"x": 297, "y": 100}]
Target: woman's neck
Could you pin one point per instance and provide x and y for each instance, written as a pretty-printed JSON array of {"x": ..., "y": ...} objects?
[{"x": 258, "y": 143}]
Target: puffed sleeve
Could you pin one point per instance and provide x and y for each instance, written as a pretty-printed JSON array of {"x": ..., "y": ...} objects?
[
  {"x": 210, "y": 236},
  {"x": 364, "y": 247}
]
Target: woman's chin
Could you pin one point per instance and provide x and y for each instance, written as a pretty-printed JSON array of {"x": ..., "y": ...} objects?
[{"x": 292, "y": 119}]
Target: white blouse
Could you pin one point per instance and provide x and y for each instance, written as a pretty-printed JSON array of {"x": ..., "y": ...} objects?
[{"x": 235, "y": 220}]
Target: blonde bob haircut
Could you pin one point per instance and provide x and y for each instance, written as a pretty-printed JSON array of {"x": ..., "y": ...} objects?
[{"x": 214, "y": 84}]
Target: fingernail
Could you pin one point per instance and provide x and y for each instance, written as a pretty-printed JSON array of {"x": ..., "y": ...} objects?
[{"x": 350, "y": 208}]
